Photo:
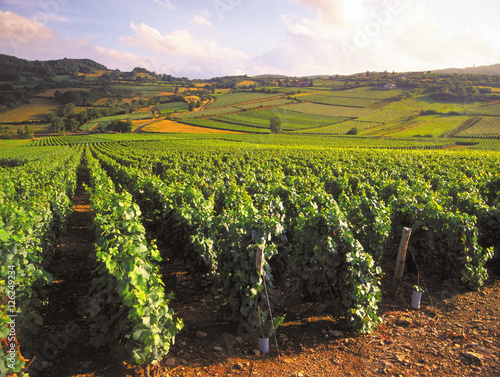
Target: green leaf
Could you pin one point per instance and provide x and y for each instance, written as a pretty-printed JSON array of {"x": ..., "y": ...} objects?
[{"x": 4, "y": 236}]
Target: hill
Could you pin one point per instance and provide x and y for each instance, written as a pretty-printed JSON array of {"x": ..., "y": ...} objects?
[
  {"x": 11, "y": 68},
  {"x": 493, "y": 69}
]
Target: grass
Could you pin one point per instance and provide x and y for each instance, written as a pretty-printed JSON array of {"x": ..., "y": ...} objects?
[
  {"x": 425, "y": 126},
  {"x": 34, "y": 111},
  {"x": 214, "y": 124},
  {"x": 7, "y": 144},
  {"x": 386, "y": 115},
  {"x": 490, "y": 109},
  {"x": 171, "y": 107},
  {"x": 367, "y": 92},
  {"x": 232, "y": 99},
  {"x": 266, "y": 103},
  {"x": 133, "y": 116},
  {"x": 426, "y": 102},
  {"x": 328, "y": 110},
  {"x": 208, "y": 113},
  {"x": 339, "y": 101},
  {"x": 432, "y": 125},
  {"x": 486, "y": 127},
  {"x": 291, "y": 120},
  {"x": 340, "y": 128}
]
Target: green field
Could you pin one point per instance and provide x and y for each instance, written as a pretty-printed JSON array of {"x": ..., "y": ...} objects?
[
  {"x": 341, "y": 128},
  {"x": 213, "y": 123},
  {"x": 426, "y": 102},
  {"x": 429, "y": 125},
  {"x": 104, "y": 120},
  {"x": 486, "y": 127},
  {"x": 291, "y": 120},
  {"x": 328, "y": 110},
  {"x": 370, "y": 93},
  {"x": 386, "y": 115},
  {"x": 7, "y": 144},
  {"x": 328, "y": 99},
  {"x": 208, "y": 113},
  {"x": 171, "y": 107},
  {"x": 491, "y": 109},
  {"x": 266, "y": 103},
  {"x": 232, "y": 99}
]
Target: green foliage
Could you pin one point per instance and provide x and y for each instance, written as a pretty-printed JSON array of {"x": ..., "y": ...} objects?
[
  {"x": 128, "y": 305},
  {"x": 265, "y": 326},
  {"x": 324, "y": 214},
  {"x": 33, "y": 211},
  {"x": 276, "y": 125},
  {"x": 332, "y": 264},
  {"x": 244, "y": 232},
  {"x": 120, "y": 126}
]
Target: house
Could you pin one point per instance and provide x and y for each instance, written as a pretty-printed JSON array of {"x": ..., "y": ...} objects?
[
  {"x": 390, "y": 85},
  {"x": 303, "y": 84}
]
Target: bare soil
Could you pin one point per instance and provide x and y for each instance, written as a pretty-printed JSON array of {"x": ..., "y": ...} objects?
[{"x": 455, "y": 332}]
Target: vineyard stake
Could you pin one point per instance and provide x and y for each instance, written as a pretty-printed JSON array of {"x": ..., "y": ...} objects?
[{"x": 400, "y": 262}]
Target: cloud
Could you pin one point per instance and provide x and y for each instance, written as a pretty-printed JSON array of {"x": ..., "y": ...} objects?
[
  {"x": 166, "y": 3},
  {"x": 339, "y": 12},
  {"x": 18, "y": 31},
  {"x": 201, "y": 21},
  {"x": 180, "y": 44},
  {"x": 345, "y": 36}
]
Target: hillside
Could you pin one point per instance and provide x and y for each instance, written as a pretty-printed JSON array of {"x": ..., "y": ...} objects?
[
  {"x": 493, "y": 69},
  {"x": 11, "y": 68},
  {"x": 81, "y": 95}
]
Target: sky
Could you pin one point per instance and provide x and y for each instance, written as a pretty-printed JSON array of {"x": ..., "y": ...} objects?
[{"x": 207, "y": 38}]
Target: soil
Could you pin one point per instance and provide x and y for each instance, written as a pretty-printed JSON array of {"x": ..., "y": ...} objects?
[{"x": 455, "y": 331}]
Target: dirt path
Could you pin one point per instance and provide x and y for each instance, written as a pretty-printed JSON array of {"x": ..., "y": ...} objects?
[{"x": 63, "y": 348}]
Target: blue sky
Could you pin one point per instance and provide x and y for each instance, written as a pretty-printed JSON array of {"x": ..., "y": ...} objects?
[{"x": 207, "y": 38}]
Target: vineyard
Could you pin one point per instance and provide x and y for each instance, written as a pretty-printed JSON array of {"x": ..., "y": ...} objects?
[
  {"x": 486, "y": 127},
  {"x": 322, "y": 215}
]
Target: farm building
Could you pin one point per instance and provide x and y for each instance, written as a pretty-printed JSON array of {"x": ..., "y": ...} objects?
[{"x": 390, "y": 86}]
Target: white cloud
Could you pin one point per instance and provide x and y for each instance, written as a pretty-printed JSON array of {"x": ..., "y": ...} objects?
[
  {"x": 181, "y": 44},
  {"x": 166, "y": 3},
  {"x": 185, "y": 54},
  {"x": 18, "y": 31},
  {"x": 201, "y": 21},
  {"x": 345, "y": 36},
  {"x": 338, "y": 12}
]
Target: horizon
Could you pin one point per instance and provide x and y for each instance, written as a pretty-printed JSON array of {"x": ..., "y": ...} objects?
[{"x": 232, "y": 37}]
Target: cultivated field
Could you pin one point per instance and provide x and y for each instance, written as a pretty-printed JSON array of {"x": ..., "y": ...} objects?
[
  {"x": 34, "y": 111},
  {"x": 169, "y": 126},
  {"x": 487, "y": 127}
]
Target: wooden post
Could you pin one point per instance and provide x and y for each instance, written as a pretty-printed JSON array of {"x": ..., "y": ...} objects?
[{"x": 400, "y": 262}]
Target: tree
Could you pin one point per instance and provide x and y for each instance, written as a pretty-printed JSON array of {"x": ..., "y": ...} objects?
[
  {"x": 353, "y": 131},
  {"x": 275, "y": 125}
]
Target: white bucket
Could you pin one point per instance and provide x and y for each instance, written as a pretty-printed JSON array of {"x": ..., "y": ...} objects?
[
  {"x": 415, "y": 299},
  {"x": 264, "y": 345}
]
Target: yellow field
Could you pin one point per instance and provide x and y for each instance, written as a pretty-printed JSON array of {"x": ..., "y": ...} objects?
[
  {"x": 171, "y": 126},
  {"x": 35, "y": 110},
  {"x": 222, "y": 91},
  {"x": 13, "y": 143},
  {"x": 247, "y": 83},
  {"x": 98, "y": 73}
]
